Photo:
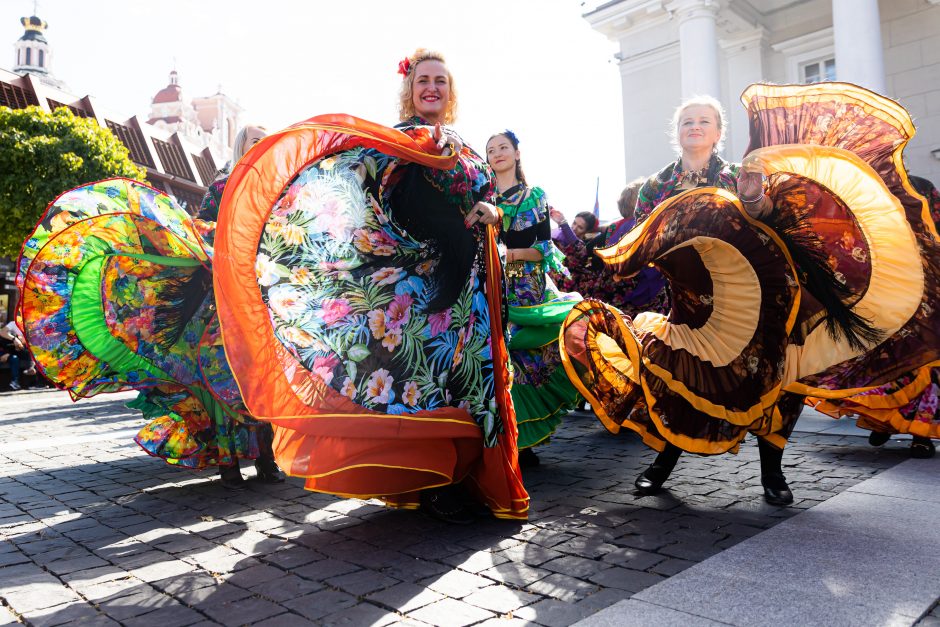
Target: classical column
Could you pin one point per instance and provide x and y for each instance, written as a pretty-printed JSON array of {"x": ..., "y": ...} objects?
[
  {"x": 856, "y": 29},
  {"x": 698, "y": 46}
]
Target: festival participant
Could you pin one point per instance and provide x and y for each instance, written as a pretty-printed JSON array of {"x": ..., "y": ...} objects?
[
  {"x": 246, "y": 137},
  {"x": 541, "y": 391},
  {"x": 117, "y": 295},
  {"x": 698, "y": 131},
  {"x": 584, "y": 226},
  {"x": 767, "y": 307},
  {"x": 587, "y": 274},
  {"x": 360, "y": 283},
  {"x": 265, "y": 466}
]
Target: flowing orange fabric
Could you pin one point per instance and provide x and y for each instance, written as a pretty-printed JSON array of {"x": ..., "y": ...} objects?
[{"x": 338, "y": 445}]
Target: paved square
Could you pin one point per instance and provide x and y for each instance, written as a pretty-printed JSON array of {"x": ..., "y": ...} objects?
[{"x": 96, "y": 532}]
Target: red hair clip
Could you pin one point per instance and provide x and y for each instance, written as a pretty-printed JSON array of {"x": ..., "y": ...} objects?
[{"x": 404, "y": 66}]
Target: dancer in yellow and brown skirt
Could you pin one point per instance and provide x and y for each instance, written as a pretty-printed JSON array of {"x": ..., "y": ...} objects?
[
  {"x": 910, "y": 404},
  {"x": 766, "y": 309}
]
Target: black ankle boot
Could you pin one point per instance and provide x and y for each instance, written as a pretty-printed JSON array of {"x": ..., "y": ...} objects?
[
  {"x": 877, "y": 438},
  {"x": 776, "y": 490},
  {"x": 922, "y": 448},
  {"x": 447, "y": 503},
  {"x": 528, "y": 458},
  {"x": 231, "y": 477},
  {"x": 652, "y": 479},
  {"x": 267, "y": 470}
]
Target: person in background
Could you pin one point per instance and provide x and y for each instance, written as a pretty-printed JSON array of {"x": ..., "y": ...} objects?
[
  {"x": 541, "y": 391},
  {"x": 13, "y": 352},
  {"x": 266, "y": 467},
  {"x": 588, "y": 275},
  {"x": 246, "y": 137}
]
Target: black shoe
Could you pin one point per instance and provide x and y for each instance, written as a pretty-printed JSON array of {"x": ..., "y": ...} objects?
[
  {"x": 776, "y": 490},
  {"x": 445, "y": 503},
  {"x": 231, "y": 477},
  {"x": 922, "y": 448},
  {"x": 268, "y": 472},
  {"x": 528, "y": 458},
  {"x": 652, "y": 479},
  {"x": 877, "y": 438}
]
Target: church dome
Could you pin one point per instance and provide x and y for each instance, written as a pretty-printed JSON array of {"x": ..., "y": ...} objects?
[
  {"x": 33, "y": 28},
  {"x": 170, "y": 93}
]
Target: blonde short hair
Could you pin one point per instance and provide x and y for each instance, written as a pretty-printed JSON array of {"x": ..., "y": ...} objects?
[
  {"x": 406, "y": 105},
  {"x": 238, "y": 148},
  {"x": 694, "y": 101}
]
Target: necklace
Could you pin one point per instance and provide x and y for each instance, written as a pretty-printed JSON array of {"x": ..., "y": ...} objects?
[{"x": 693, "y": 178}]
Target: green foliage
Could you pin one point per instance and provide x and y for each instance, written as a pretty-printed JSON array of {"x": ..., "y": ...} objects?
[{"x": 44, "y": 154}]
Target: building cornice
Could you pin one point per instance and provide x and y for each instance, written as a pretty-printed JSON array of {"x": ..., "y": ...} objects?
[
  {"x": 621, "y": 18},
  {"x": 648, "y": 58}
]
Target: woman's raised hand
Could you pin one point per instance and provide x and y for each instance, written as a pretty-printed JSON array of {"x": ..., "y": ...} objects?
[
  {"x": 482, "y": 212},
  {"x": 750, "y": 185},
  {"x": 557, "y": 216},
  {"x": 448, "y": 144}
]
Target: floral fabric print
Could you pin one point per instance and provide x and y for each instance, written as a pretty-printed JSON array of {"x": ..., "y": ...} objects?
[
  {"x": 348, "y": 289},
  {"x": 117, "y": 296}
]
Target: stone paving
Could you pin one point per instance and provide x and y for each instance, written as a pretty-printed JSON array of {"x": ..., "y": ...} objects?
[{"x": 96, "y": 532}]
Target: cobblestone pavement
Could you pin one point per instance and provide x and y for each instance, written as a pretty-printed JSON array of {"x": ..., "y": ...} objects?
[{"x": 96, "y": 532}]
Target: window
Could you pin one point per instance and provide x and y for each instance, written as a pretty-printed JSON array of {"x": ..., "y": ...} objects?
[
  {"x": 42, "y": 58},
  {"x": 817, "y": 71},
  {"x": 29, "y": 56},
  {"x": 18, "y": 56},
  {"x": 16, "y": 97}
]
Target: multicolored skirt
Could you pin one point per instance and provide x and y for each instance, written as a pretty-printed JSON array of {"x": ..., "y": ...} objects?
[
  {"x": 323, "y": 301},
  {"x": 834, "y": 294},
  {"x": 116, "y": 286}
]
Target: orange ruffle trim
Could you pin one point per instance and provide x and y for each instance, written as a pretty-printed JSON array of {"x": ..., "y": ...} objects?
[{"x": 337, "y": 446}]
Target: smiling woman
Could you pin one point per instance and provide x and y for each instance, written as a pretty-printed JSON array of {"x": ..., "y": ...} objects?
[{"x": 374, "y": 341}]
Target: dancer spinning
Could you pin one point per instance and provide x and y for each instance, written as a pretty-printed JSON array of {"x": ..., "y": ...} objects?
[
  {"x": 541, "y": 391},
  {"x": 360, "y": 283},
  {"x": 764, "y": 314},
  {"x": 359, "y": 291}
]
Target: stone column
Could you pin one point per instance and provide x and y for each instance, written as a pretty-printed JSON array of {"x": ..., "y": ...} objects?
[
  {"x": 856, "y": 30},
  {"x": 698, "y": 46}
]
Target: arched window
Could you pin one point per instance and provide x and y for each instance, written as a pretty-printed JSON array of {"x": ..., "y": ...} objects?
[
  {"x": 29, "y": 56},
  {"x": 18, "y": 56},
  {"x": 42, "y": 58}
]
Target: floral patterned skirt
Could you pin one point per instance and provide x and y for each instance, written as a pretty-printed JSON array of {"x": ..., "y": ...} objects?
[
  {"x": 326, "y": 297},
  {"x": 116, "y": 296},
  {"x": 911, "y": 404}
]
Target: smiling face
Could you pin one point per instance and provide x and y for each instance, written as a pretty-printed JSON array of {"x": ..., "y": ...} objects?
[
  {"x": 698, "y": 128},
  {"x": 431, "y": 90},
  {"x": 500, "y": 154},
  {"x": 579, "y": 227}
]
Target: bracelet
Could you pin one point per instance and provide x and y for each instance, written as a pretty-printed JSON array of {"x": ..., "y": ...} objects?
[{"x": 752, "y": 201}]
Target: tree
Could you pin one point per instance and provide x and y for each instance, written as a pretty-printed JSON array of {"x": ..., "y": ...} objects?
[{"x": 44, "y": 154}]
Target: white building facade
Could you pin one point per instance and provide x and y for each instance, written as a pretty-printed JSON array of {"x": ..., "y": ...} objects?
[{"x": 674, "y": 49}]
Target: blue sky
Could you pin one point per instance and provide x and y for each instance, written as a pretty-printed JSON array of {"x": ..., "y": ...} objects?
[{"x": 534, "y": 66}]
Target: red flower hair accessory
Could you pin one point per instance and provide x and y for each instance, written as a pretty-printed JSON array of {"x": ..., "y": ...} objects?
[{"x": 404, "y": 66}]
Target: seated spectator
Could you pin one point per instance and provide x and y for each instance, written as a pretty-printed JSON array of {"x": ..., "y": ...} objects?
[{"x": 14, "y": 354}]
